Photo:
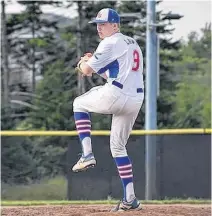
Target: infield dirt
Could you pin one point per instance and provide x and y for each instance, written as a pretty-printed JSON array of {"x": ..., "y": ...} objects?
[{"x": 104, "y": 210}]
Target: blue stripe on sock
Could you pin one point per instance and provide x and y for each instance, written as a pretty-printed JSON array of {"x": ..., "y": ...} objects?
[
  {"x": 81, "y": 115},
  {"x": 83, "y": 135},
  {"x": 122, "y": 161}
]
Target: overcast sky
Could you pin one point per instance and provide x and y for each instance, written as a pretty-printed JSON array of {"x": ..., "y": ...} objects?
[{"x": 196, "y": 14}]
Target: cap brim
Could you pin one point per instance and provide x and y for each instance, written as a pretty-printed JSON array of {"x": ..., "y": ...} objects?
[{"x": 97, "y": 21}]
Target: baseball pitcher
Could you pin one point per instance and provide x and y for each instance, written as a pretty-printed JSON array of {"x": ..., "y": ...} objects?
[{"x": 118, "y": 59}]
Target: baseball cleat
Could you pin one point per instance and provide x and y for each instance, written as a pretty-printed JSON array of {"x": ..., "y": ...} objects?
[
  {"x": 84, "y": 163},
  {"x": 135, "y": 205}
]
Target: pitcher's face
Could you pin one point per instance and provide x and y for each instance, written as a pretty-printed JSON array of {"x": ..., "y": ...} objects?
[{"x": 105, "y": 29}]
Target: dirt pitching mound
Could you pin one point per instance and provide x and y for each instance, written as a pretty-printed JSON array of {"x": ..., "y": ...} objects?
[{"x": 104, "y": 210}]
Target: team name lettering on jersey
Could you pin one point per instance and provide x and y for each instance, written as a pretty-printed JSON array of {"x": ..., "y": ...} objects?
[{"x": 129, "y": 41}]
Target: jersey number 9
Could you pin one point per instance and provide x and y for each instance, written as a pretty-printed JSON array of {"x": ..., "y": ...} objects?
[{"x": 136, "y": 59}]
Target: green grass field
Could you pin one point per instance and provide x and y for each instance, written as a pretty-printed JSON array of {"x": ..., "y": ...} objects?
[
  {"x": 86, "y": 202},
  {"x": 54, "y": 192}
]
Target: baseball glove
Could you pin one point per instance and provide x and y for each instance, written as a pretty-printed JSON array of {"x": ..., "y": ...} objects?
[{"x": 85, "y": 58}]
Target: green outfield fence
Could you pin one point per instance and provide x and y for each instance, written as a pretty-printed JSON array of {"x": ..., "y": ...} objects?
[
  {"x": 107, "y": 132},
  {"x": 191, "y": 183}
]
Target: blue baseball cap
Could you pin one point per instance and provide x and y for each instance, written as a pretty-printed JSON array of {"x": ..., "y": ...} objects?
[{"x": 106, "y": 15}]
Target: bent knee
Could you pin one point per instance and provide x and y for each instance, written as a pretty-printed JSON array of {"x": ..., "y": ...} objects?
[
  {"x": 118, "y": 150},
  {"x": 76, "y": 102},
  {"x": 77, "y": 105}
]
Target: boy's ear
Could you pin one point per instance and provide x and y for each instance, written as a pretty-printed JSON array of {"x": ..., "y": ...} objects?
[{"x": 115, "y": 25}]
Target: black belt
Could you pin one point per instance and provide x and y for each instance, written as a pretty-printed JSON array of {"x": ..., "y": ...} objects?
[{"x": 119, "y": 85}]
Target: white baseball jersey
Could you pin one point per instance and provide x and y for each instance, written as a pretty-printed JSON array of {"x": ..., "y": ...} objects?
[{"x": 121, "y": 59}]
